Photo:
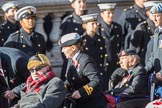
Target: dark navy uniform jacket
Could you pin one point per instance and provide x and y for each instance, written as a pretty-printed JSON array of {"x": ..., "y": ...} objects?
[
  {"x": 30, "y": 44},
  {"x": 72, "y": 23},
  {"x": 140, "y": 38},
  {"x": 113, "y": 40},
  {"x": 84, "y": 77},
  {"x": 112, "y": 35},
  {"x": 14, "y": 65},
  {"x": 95, "y": 48},
  {"x": 6, "y": 29},
  {"x": 129, "y": 19}
]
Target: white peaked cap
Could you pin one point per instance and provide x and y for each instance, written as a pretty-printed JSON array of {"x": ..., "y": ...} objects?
[
  {"x": 89, "y": 17},
  {"x": 8, "y": 5},
  {"x": 107, "y": 6}
]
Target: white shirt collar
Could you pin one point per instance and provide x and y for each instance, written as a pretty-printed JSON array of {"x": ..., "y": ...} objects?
[
  {"x": 76, "y": 55},
  {"x": 160, "y": 27}
]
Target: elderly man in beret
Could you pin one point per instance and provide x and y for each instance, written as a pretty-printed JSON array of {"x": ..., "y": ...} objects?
[
  {"x": 10, "y": 25},
  {"x": 155, "y": 61},
  {"x": 134, "y": 80},
  {"x": 130, "y": 61},
  {"x": 82, "y": 76},
  {"x": 42, "y": 89},
  {"x": 26, "y": 39}
]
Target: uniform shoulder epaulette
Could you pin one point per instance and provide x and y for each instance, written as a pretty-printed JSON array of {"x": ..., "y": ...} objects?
[
  {"x": 16, "y": 32},
  {"x": 67, "y": 17},
  {"x": 126, "y": 9},
  {"x": 70, "y": 15}
]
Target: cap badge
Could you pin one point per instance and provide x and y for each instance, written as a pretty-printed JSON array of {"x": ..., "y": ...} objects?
[
  {"x": 29, "y": 11},
  {"x": 123, "y": 53},
  {"x": 154, "y": 10}
]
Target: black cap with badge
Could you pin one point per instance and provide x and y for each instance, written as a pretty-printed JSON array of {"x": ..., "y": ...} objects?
[{"x": 127, "y": 52}]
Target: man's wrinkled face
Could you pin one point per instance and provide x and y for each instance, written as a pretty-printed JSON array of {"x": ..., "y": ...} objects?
[
  {"x": 124, "y": 62},
  {"x": 157, "y": 19},
  {"x": 36, "y": 72},
  {"x": 68, "y": 51}
]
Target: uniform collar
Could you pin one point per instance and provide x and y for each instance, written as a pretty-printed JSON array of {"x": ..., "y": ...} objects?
[
  {"x": 77, "y": 18},
  {"x": 158, "y": 29},
  {"x": 24, "y": 33},
  {"x": 76, "y": 55},
  {"x": 102, "y": 22},
  {"x": 151, "y": 24},
  {"x": 130, "y": 70},
  {"x": 140, "y": 10}
]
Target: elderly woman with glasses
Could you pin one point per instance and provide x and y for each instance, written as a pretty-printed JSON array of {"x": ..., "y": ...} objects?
[{"x": 42, "y": 89}]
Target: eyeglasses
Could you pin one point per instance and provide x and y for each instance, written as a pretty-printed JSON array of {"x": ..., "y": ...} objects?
[{"x": 36, "y": 69}]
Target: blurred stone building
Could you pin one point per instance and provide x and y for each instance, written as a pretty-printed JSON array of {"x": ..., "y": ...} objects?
[{"x": 49, "y": 16}]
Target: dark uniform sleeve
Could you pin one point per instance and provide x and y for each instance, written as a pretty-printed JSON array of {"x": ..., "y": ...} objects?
[{"x": 91, "y": 73}]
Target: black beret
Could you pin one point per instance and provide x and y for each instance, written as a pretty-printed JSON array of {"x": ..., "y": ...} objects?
[{"x": 127, "y": 52}]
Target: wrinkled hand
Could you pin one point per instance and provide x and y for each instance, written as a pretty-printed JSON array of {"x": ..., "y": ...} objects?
[
  {"x": 9, "y": 94},
  {"x": 159, "y": 76},
  {"x": 76, "y": 95}
]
